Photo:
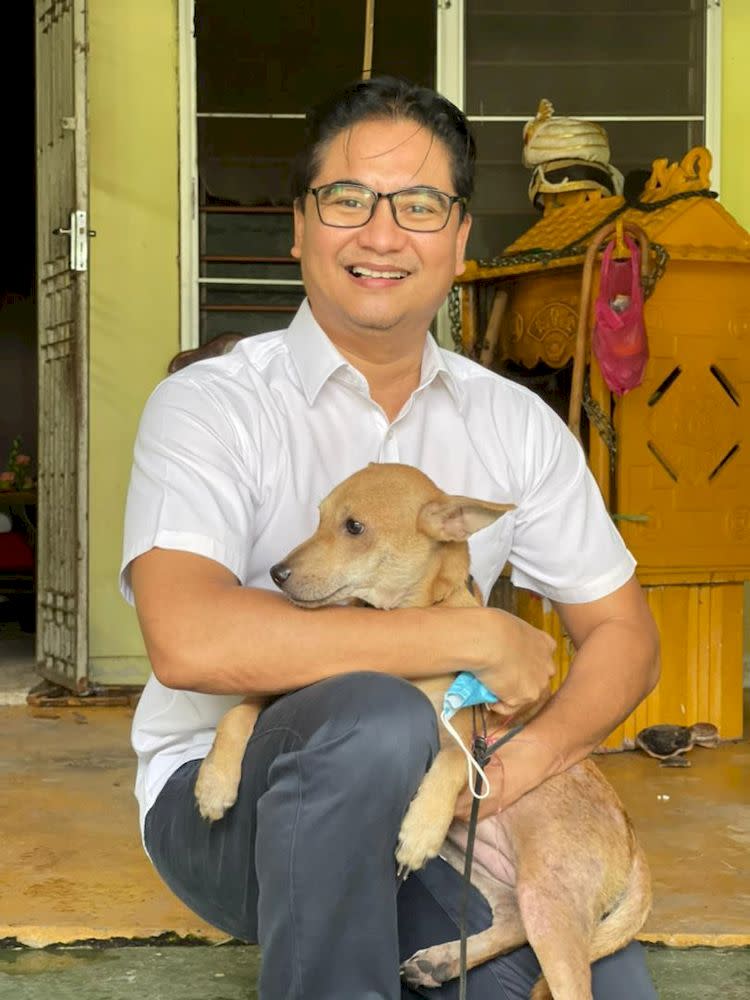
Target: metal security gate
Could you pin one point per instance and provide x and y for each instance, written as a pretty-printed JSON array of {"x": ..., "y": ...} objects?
[{"x": 62, "y": 298}]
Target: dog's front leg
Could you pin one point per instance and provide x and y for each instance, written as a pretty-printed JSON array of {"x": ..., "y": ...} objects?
[
  {"x": 427, "y": 819},
  {"x": 219, "y": 775}
]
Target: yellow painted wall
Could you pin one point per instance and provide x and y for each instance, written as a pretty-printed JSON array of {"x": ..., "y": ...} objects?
[
  {"x": 735, "y": 117},
  {"x": 134, "y": 316},
  {"x": 735, "y": 150}
]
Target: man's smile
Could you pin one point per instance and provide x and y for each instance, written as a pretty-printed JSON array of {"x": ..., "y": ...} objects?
[
  {"x": 376, "y": 275},
  {"x": 369, "y": 272}
]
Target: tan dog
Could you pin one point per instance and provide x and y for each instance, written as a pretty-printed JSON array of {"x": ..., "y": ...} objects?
[{"x": 564, "y": 870}]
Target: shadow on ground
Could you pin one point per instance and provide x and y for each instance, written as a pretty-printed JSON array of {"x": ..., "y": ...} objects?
[{"x": 228, "y": 972}]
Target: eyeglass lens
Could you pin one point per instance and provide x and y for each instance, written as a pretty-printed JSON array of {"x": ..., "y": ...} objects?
[{"x": 417, "y": 209}]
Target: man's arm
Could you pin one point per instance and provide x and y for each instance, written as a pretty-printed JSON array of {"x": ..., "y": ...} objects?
[
  {"x": 204, "y": 632},
  {"x": 616, "y": 665}
]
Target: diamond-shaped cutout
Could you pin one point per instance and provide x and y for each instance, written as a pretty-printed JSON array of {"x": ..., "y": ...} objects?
[{"x": 694, "y": 424}]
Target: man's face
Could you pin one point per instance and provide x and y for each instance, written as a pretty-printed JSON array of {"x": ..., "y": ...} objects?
[{"x": 341, "y": 267}]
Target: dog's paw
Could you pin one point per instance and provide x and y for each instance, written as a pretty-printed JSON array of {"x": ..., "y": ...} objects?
[
  {"x": 215, "y": 790},
  {"x": 428, "y": 968},
  {"x": 417, "y": 843}
]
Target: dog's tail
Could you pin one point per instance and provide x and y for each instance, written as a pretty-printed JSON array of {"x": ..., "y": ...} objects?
[{"x": 625, "y": 919}]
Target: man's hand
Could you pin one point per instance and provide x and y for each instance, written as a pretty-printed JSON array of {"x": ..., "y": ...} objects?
[
  {"x": 490, "y": 805},
  {"x": 519, "y": 662},
  {"x": 511, "y": 771},
  {"x": 615, "y": 666}
]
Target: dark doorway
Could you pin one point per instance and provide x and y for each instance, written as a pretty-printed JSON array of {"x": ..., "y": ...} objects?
[{"x": 18, "y": 364}]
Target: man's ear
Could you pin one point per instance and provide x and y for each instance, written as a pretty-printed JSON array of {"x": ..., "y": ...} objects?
[
  {"x": 462, "y": 238},
  {"x": 299, "y": 229},
  {"x": 454, "y": 519}
]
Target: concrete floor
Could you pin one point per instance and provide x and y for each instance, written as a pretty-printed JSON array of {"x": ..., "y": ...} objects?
[
  {"x": 694, "y": 824},
  {"x": 72, "y": 868}
]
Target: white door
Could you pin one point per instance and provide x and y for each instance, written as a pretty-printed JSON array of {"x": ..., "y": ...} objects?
[{"x": 62, "y": 297}]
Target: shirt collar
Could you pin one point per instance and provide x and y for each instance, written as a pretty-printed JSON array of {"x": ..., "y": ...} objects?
[
  {"x": 435, "y": 365},
  {"x": 316, "y": 359},
  {"x": 313, "y": 355}
]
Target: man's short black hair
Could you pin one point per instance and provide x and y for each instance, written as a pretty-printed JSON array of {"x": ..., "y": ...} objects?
[{"x": 387, "y": 97}]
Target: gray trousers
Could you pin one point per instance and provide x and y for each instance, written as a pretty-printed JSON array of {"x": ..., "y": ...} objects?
[{"x": 303, "y": 863}]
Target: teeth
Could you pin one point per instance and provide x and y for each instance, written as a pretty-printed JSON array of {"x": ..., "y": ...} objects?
[{"x": 365, "y": 272}]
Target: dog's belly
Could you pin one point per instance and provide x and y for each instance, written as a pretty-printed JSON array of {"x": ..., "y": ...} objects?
[{"x": 492, "y": 848}]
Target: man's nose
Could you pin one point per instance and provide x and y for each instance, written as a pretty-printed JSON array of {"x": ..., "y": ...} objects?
[{"x": 382, "y": 231}]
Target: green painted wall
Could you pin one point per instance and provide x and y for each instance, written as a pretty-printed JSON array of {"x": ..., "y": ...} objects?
[{"x": 134, "y": 318}]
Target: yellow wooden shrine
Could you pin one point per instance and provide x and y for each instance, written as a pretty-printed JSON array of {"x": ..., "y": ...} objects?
[{"x": 678, "y": 480}]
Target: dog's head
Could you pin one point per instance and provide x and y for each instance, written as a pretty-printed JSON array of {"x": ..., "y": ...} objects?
[{"x": 381, "y": 539}]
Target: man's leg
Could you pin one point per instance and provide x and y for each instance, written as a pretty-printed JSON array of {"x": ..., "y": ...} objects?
[
  {"x": 429, "y": 912},
  {"x": 304, "y": 861}
]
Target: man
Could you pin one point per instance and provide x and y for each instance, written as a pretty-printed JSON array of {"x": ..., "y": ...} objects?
[{"x": 234, "y": 454}]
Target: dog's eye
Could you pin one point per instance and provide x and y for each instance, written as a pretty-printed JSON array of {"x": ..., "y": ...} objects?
[{"x": 354, "y": 527}]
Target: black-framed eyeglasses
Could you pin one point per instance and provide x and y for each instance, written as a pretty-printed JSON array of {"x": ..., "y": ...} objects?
[{"x": 347, "y": 205}]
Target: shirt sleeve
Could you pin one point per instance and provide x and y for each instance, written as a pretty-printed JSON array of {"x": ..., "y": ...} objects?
[
  {"x": 565, "y": 544},
  {"x": 192, "y": 486}
]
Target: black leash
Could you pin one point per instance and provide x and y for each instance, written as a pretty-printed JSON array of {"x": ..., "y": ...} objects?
[{"x": 481, "y": 751}]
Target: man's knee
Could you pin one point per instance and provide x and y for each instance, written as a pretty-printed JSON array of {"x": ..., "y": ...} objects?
[
  {"x": 388, "y": 716},
  {"x": 370, "y": 726}
]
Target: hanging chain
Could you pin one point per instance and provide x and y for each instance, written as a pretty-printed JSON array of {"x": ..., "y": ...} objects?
[
  {"x": 659, "y": 266},
  {"x": 599, "y": 419},
  {"x": 454, "y": 315}
]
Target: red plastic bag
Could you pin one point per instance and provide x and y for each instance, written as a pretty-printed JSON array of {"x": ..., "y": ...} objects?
[{"x": 619, "y": 339}]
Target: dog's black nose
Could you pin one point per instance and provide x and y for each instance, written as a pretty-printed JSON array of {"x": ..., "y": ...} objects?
[{"x": 280, "y": 573}]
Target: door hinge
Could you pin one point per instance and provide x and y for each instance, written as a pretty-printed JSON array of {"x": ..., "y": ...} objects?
[{"x": 79, "y": 234}]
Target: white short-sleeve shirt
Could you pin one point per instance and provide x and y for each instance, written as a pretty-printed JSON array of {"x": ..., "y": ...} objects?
[{"x": 234, "y": 454}]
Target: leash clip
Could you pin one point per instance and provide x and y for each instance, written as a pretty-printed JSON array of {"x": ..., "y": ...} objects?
[{"x": 479, "y": 749}]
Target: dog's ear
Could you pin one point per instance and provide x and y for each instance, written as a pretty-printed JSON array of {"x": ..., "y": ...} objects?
[{"x": 454, "y": 519}]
